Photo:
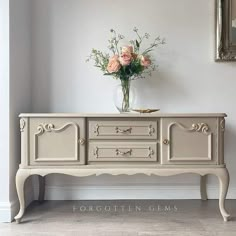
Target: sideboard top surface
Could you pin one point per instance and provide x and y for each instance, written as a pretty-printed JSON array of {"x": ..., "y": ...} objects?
[{"x": 156, "y": 114}]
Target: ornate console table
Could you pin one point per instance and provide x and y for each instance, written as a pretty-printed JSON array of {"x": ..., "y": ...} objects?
[{"x": 95, "y": 144}]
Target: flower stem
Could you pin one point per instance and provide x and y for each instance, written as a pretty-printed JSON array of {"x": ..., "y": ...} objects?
[{"x": 125, "y": 89}]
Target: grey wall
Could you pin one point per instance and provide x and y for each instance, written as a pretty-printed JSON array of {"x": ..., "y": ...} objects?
[{"x": 20, "y": 80}]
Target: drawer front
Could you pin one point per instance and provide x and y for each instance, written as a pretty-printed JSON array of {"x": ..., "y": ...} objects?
[
  {"x": 122, "y": 151},
  {"x": 57, "y": 141},
  {"x": 189, "y": 140},
  {"x": 122, "y": 129}
]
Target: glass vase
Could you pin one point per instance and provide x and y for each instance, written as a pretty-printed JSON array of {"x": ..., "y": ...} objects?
[{"x": 124, "y": 96}]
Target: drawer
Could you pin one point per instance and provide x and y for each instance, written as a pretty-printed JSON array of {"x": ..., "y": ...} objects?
[
  {"x": 122, "y": 151},
  {"x": 56, "y": 141},
  {"x": 122, "y": 129}
]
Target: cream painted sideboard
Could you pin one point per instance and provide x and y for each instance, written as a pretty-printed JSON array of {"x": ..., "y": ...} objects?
[{"x": 95, "y": 144}]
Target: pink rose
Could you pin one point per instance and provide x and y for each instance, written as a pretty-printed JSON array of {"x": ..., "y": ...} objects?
[
  {"x": 145, "y": 61},
  {"x": 125, "y": 58},
  {"x": 127, "y": 49},
  {"x": 113, "y": 64}
]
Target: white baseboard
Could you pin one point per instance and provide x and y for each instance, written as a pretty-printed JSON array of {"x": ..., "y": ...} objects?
[
  {"x": 130, "y": 192},
  {"x": 5, "y": 211},
  {"x": 8, "y": 210}
]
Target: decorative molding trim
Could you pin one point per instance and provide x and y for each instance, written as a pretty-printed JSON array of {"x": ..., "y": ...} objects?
[
  {"x": 22, "y": 124},
  {"x": 131, "y": 192}
]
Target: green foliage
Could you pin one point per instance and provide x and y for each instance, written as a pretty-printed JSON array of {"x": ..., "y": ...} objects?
[{"x": 100, "y": 59}]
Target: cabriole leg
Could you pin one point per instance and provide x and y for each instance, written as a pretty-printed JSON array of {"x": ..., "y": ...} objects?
[
  {"x": 223, "y": 177},
  {"x": 41, "y": 188},
  {"x": 21, "y": 177},
  {"x": 203, "y": 189}
]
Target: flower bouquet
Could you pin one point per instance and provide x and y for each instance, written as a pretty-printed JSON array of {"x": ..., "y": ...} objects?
[{"x": 127, "y": 62}]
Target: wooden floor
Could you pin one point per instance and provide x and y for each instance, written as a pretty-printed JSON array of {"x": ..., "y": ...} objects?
[{"x": 124, "y": 218}]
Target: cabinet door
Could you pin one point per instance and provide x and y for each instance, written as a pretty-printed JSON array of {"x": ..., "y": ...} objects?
[
  {"x": 189, "y": 140},
  {"x": 57, "y": 141}
]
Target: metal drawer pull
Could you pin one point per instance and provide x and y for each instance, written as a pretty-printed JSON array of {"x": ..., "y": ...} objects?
[
  {"x": 118, "y": 152},
  {"x": 122, "y": 131},
  {"x": 166, "y": 141}
]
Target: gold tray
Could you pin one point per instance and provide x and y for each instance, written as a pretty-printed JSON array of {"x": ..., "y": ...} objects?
[{"x": 146, "y": 110}]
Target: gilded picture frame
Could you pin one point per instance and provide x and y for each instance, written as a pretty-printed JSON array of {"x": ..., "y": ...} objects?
[{"x": 225, "y": 30}]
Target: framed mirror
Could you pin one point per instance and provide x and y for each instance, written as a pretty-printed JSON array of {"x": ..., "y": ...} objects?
[{"x": 225, "y": 30}]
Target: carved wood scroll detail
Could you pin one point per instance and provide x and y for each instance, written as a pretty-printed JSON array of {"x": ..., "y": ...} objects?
[
  {"x": 96, "y": 129},
  {"x": 151, "y": 130},
  {"x": 196, "y": 127},
  {"x": 42, "y": 128},
  {"x": 22, "y": 125},
  {"x": 222, "y": 124},
  {"x": 200, "y": 127},
  {"x": 45, "y": 128},
  {"x": 95, "y": 153},
  {"x": 151, "y": 152}
]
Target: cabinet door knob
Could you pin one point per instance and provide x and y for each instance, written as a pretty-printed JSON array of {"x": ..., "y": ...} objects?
[
  {"x": 82, "y": 141},
  {"x": 166, "y": 141}
]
